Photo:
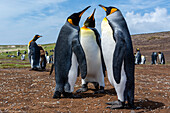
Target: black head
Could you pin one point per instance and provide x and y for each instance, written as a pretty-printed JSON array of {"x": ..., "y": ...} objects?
[
  {"x": 90, "y": 21},
  {"x": 74, "y": 19},
  {"x": 36, "y": 37},
  {"x": 109, "y": 10}
]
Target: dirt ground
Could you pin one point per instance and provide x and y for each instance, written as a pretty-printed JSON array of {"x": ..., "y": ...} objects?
[{"x": 22, "y": 90}]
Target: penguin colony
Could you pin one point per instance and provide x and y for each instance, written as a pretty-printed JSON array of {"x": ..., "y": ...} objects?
[{"x": 84, "y": 49}]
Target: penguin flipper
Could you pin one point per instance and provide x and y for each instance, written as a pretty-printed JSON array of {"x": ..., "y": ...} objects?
[
  {"x": 52, "y": 68},
  {"x": 98, "y": 40},
  {"x": 118, "y": 56},
  {"x": 78, "y": 50}
]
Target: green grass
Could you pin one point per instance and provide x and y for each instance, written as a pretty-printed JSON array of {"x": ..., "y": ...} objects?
[
  {"x": 9, "y": 65},
  {"x": 8, "y": 62},
  {"x": 153, "y": 38}
]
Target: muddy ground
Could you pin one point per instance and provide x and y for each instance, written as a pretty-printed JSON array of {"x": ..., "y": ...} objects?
[{"x": 22, "y": 90}]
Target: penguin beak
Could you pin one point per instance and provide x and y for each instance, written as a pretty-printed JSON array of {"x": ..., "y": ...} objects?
[
  {"x": 92, "y": 16},
  {"x": 39, "y": 36},
  {"x": 105, "y": 8},
  {"x": 81, "y": 12}
]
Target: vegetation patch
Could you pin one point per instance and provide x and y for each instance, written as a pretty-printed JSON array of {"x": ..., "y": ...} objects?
[{"x": 153, "y": 38}]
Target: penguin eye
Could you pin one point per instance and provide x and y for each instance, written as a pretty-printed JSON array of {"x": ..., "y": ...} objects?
[{"x": 113, "y": 10}]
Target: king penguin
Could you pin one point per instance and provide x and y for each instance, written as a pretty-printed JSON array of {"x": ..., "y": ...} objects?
[
  {"x": 118, "y": 55},
  {"x": 34, "y": 53},
  {"x": 90, "y": 41},
  {"x": 68, "y": 55}
]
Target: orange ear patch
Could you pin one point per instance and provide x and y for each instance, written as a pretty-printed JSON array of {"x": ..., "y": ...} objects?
[
  {"x": 70, "y": 21},
  {"x": 113, "y": 10}
]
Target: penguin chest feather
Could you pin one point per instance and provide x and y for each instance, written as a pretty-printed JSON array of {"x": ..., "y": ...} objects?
[
  {"x": 92, "y": 52},
  {"x": 108, "y": 44}
]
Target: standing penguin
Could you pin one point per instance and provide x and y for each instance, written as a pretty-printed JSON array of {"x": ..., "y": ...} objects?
[
  {"x": 161, "y": 58},
  {"x": 68, "y": 52},
  {"x": 118, "y": 55},
  {"x": 154, "y": 58},
  {"x": 143, "y": 59},
  {"x": 90, "y": 41},
  {"x": 138, "y": 56},
  {"x": 34, "y": 53}
]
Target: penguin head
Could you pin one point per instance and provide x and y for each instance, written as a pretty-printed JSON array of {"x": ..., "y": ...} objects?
[
  {"x": 137, "y": 49},
  {"x": 90, "y": 21},
  {"x": 74, "y": 19},
  {"x": 36, "y": 37},
  {"x": 109, "y": 10}
]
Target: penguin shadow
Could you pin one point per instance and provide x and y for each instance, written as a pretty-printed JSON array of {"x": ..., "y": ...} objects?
[
  {"x": 111, "y": 92},
  {"x": 43, "y": 70},
  {"x": 93, "y": 94},
  {"x": 147, "y": 105}
]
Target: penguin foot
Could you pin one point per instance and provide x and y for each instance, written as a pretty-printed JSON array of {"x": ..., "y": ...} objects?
[
  {"x": 116, "y": 105},
  {"x": 132, "y": 106},
  {"x": 113, "y": 102},
  {"x": 82, "y": 90},
  {"x": 71, "y": 95},
  {"x": 34, "y": 69},
  {"x": 57, "y": 95},
  {"x": 101, "y": 91}
]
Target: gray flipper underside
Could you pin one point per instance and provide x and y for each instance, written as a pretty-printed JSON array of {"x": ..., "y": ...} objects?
[
  {"x": 78, "y": 50},
  {"x": 98, "y": 40},
  {"x": 118, "y": 56}
]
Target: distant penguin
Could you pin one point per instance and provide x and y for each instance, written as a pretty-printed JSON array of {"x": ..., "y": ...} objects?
[
  {"x": 143, "y": 59},
  {"x": 34, "y": 53},
  {"x": 90, "y": 41},
  {"x": 138, "y": 56},
  {"x": 23, "y": 57},
  {"x": 154, "y": 58},
  {"x": 118, "y": 55},
  {"x": 161, "y": 58},
  {"x": 68, "y": 51}
]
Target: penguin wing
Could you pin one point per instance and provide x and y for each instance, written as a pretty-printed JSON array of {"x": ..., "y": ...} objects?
[
  {"x": 78, "y": 50},
  {"x": 118, "y": 56},
  {"x": 98, "y": 40}
]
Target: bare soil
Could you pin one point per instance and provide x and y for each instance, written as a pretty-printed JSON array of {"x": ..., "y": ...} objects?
[
  {"x": 22, "y": 90},
  {"x": 153, "y": 42}
]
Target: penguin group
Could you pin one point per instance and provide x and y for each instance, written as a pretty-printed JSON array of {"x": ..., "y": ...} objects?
[
  {"x": 157, "y": 58},
  {"x": 139, "y": 59},
  {"x": 82, "y": 49}
]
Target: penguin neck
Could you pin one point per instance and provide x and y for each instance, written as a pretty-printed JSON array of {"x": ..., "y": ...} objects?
[
  {"x": 30, "y": 43},
  {"x": 85, "y": 28}
]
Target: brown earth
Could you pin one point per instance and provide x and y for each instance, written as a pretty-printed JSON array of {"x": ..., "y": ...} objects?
[
  {"x": 22, "y": 90},
  {"x": 153, "y": 42}
]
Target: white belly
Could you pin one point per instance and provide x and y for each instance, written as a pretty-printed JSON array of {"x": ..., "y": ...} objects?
[
  {"x": 72, "y": 76},
  {"x": 93, "y": 56},
  {"x": 108, "y": 48}
]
